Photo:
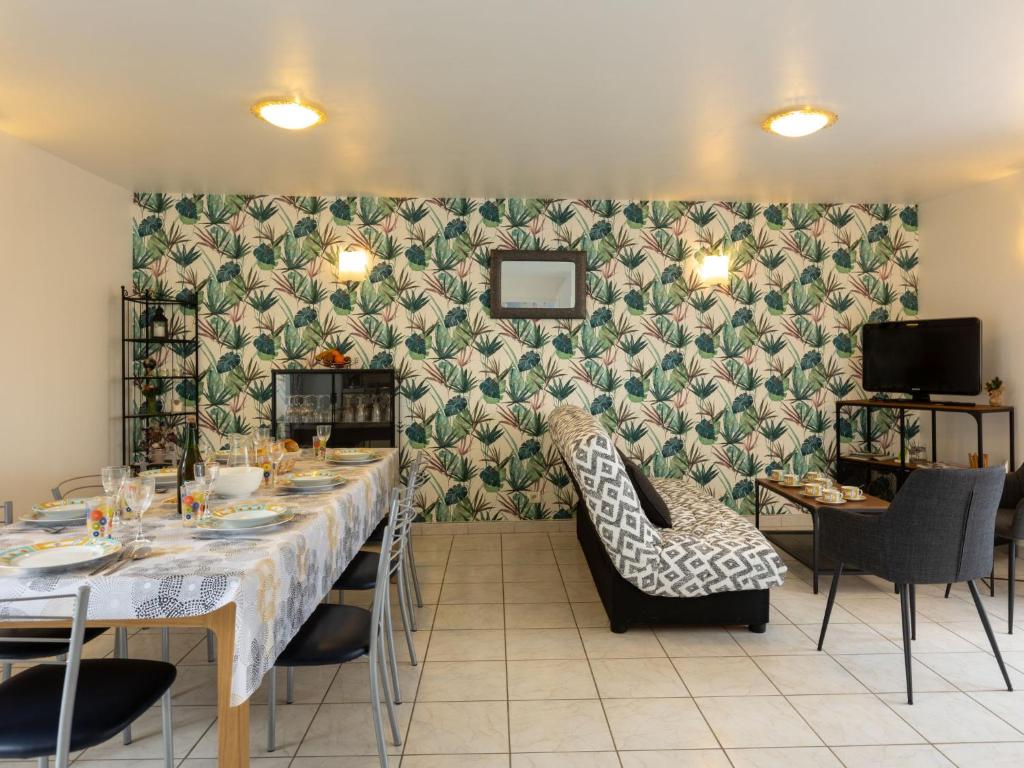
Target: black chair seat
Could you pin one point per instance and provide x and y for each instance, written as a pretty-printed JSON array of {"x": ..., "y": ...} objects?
[
  {"x": 378, "y": 533},
  {"x": 361, "y": 572},
  {"x": 334, "y": 634},
  {"x": 111, "y": 694},
  {"x": 20, "y": 651},
  {"x": 1009, "y": 524}
]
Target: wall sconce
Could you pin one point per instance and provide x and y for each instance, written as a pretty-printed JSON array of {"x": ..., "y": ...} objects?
[
  {"x": 353, "y": 266},
  {"x": 715, "y": 269}
]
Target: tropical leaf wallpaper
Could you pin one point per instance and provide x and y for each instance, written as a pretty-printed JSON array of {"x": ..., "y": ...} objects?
[{"x": 718, "y": 383}]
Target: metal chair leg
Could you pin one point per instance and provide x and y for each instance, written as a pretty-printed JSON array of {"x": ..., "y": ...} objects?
[
  {"x": 396, "y": 736},
  {"x": 43, "y": 762},
  {"x": 833, "y": 588},
  {"x": 389, "y": 633},
  {"x": 913, "y": 612},
  {"x": 403, "y": 604},
  {"x": 988, "y": 631},
  {"x": 414, "y": 573},
  {"x": 378, "y": 728},
  {"x": 6, "y": 674},
  {"x": 289, "y": 688},
  {"x": 992, "y": 580},
  {"x": 272, "y": 709},
  {"x": 948, "y": 587},
  {"x": 121, "y": 652},
  {"x": 1011, "y": 584},
  {"x": 165, "y": 645},
  {"x": 408, "y": 595},
  {"x": 905, "y": 620},
  {"x": 168, "y": 728}
]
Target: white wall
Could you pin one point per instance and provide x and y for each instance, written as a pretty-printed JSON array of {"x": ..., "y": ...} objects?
[
  {"x": 65, "y": 236},
  {"x": 972, "y": 264}
]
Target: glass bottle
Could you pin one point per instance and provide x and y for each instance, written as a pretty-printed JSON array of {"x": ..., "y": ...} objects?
[{"x": 189, "y": 458}]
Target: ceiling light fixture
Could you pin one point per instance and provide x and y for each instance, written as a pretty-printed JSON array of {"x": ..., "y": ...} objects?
[
  {"x": 292, "y": 115},
  {"x": 803, "y": 121}
]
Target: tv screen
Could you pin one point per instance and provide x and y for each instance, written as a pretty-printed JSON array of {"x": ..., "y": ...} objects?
[{"x": 922, "y": 357}]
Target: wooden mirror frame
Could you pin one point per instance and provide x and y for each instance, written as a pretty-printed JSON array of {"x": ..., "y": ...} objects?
[{"x": 577, "y": 311}]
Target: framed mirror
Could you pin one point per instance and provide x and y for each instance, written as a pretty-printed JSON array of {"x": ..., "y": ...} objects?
[{"x": 536, "y": 285}]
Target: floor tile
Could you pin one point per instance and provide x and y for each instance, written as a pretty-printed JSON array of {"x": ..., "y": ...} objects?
[
  {"x": 886, "y": 673},
  {"x": 636, "y": 678},
  {"x": 564, "y": 541},
  {"x": 190, "y": 723},
  {"x": 1009, "y": 706},
  {"x": 471, "y": 557},
  {"x": 678, "y": 758},
  {"x": 544, "y": 644},
  {"x": 575, "y": 572},
  {"x": 634, "y": 644},
  {"x": 893, "y": 756},
  {"x": 526, "y": 592},
  {"x": 293, "y": 724},
  {"x": 872, "y": 610},
  {"x": 458, "y": 727},
  {"x": 478, "y": 541},
  {"x": 808, "y": 674},
  {"x": 550, "y": 680},
  {"x": 931, "y": 637},
  {"x": 808, "y": 609},
  {"x": 784, "y": 757},
  {"x": 463, "y": 681},
  {"x": 565, "y": 760},
  {"x": 851, "y": 638},
  {"x": 534, "y": 541},
  {"x": 590, "y": 615},
  {"x": 696, "y": 641},
  {"x": 970, "y": 671},
  {"x": 466, "y": 645},
  {"x": 582, "y": 591},
  {"x": 756, "y": 721},
  {"x": 472, "y": 574},
  {"x": 558, "y": 726},
  {"x": 540, "y": 616},
  {"x": 527, "y": 557},
  {"x": 531, "y": 573},
  {"x": 451, "y": 761},
  {"x": 723, "y": 676},
  {"x": 352, "y": 683},
  {"x": 784, "y": 640},
  {"x": 470, "y": 616},
  {"x": 569, "y": 557},
  {"x": 470, "y": 593},
  {"x": 658, "y": 724},
  {"x": 851, "y": 719},
  {"x": 430, "y": 574},
  {"x": 950, "y": 717},
  {"x": 985, "y": 755}
]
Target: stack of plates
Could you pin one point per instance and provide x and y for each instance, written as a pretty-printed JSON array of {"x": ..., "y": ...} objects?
[
  {"x": 311, "y": 481},
  {"x": 351, "y": 456},
  {"x": 51, "y": 514},
  {"x": 165, "y": 477},
  {"x": 244, "y": 519},
  {"x": 59, "y": 556}
]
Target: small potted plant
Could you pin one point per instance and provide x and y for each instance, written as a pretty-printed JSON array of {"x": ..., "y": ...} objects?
[{"x": 995, "y": 391}]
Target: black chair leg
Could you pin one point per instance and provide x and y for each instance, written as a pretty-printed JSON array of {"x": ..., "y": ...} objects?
[
  {"x": 831, "y": 599},
  {"x": 905, "y": 619},
  {"x": 988, "y": 631},
  {"x": 913, "y": 613},
  {"x": 1011, "y": 583},
  {"x": 948, "y": 587}
]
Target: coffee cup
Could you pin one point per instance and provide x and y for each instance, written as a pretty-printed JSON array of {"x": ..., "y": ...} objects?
[
  {"x": 852, "y": 492},
  {"x": 777, "y": 475},
  {"x": 831, "y": 495},
  {"x": 812, "y": 476},
  {"x": 789, "y": 479},
  {"x": 812, "y": 489}
]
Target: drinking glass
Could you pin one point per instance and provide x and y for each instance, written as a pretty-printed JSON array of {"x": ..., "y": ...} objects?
[
  {"x": 138, "y": 493},
  {"x": 211, "y": 473},
  {"x": 376, "y": 413},
  {"x": 323, "y": 411},
  {"x": 193, "y": 502},
  {"x": 323, "y": 434},
  {"x": 239, "y": 455},
  {"x": 113, "y": 481},
  {"x": 294, "y": 408},
  {"x": 276, "y": 454},
  {"x": 101, "y": 517}
]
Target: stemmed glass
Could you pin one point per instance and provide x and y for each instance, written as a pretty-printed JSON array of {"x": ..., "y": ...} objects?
[
  {"x": 323, "y": 434},
  {"x": 113, "y": 482},
  {"x": 276, "y": 454},
  {"x": 211, "y": 471},
  {"x": 138, "y": 493}
]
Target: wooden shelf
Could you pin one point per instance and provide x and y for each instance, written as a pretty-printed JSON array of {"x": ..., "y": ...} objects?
[
  {"x": 894, "y": 464},
  {"x": 911, "y": 405}
]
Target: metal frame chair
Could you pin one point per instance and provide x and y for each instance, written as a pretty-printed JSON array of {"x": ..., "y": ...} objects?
[
  {"x": 89, "y": 483},
  {"x": 69, "y": 645}
]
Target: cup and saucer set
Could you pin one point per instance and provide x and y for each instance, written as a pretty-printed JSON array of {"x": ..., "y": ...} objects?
[{"x": 818, "y": 486}]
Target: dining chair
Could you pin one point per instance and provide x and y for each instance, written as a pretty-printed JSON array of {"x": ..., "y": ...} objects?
[
  {"x": 336, "y": 634},
  {"x": 937, "y": 530},
  {"x": 88, "y": 485},
  {"x": 47, "y": 710}
]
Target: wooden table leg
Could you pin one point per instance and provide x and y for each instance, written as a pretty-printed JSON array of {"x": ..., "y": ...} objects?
[{"x": 232, "y": 722}]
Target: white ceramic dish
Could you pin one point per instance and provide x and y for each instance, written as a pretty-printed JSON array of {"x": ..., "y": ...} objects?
[
  {"x": 313, "y": 477},
  {"x": 64, "y": 511},
  {"x": 35, "y": 520},
  {"x": 248, "y": 515},
  {"x": 284, "y": 484},
  {"x": 238, "y": 481},
  {"x": 209, "y": 528},
  {"x": 58, "y": 556},
  {"x": 337, "y": 456},
  {"x": 164, "y": 476}
]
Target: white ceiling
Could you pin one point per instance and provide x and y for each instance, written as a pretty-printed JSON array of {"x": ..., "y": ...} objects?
[{"x": 576, "y": 98}]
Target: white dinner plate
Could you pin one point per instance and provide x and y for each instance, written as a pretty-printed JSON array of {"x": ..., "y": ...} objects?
[
  {"x": 57, "y": 556},
  {"x": 351, "y": 457},
  {"x": 313, "y": 477},
  {"x": 36, "y": 520},
  {"x": 211, "y": 528},
  {"x": 164, "y": 476},
  {"x": 248, "y": 515},
  {"x": 64, "y": 511}
]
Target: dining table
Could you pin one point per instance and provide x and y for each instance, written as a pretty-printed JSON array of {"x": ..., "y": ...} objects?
[{"x": 253, "y": 592}]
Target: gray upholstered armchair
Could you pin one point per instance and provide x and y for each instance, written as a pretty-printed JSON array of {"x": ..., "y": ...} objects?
[{"x": 937, "y": 530}]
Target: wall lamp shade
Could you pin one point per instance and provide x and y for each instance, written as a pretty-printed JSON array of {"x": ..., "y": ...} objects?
[
  {"x": 715, "y": 269},
  {"x": 353, "y": 266}
]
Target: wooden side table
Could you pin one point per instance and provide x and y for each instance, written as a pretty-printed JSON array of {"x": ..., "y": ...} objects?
[{"x": 793, "y": 495}]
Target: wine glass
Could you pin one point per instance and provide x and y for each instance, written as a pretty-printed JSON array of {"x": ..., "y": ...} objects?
[
  {"x": 211, "y": 471},
  {"x": 239, "y": 455},
  {"x": 113, "y": 481},
  {"x": 276, "y": 454},
  {"x": 138, "y": 493},
  {"x": 323, "y": 434}
]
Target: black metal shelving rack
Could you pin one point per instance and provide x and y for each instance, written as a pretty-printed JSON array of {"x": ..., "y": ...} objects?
[{"x": 131, "y": 380}]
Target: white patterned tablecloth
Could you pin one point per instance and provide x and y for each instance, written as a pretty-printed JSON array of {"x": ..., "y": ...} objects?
[{"x": 275, "y": 582}]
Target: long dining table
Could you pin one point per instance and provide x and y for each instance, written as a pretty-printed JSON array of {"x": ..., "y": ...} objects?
[{"x": 252, "y": 592}]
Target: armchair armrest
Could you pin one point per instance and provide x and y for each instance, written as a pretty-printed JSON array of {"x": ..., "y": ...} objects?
[{"x": 853, "y": 537}]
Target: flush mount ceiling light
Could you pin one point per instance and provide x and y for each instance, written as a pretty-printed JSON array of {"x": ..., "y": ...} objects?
[
  {"x": 802, "y": 121},
  {"x": 292, "y": 115}
]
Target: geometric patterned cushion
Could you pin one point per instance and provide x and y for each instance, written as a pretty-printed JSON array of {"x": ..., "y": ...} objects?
[{"x": 708, "y": 549}]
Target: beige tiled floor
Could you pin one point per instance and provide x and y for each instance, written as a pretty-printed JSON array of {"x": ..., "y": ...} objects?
[{"x": 518, "y": 670}]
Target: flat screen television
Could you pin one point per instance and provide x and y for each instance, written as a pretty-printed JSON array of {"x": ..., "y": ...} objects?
[{"x": 923, "y": 357}]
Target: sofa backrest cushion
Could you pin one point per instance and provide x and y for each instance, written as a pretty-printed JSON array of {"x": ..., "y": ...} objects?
[
  {"x": 650, "y": 500},
  {"x": 632, "y": 543}
]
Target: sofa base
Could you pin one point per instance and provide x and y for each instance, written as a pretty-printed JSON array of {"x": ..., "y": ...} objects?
[{"x": 625, "y": 604}]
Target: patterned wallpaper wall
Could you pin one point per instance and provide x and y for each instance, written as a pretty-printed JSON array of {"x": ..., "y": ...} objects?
[{"x": 718, "y": 383}]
